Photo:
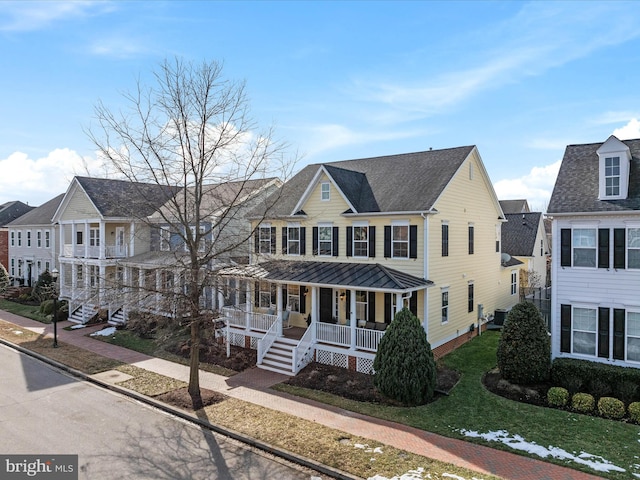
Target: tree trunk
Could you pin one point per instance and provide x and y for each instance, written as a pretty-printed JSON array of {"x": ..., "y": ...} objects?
[{"x": 194, "y": 365}]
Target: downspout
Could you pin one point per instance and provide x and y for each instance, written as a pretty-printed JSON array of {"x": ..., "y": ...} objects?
[{"x": 425, "y": 273}]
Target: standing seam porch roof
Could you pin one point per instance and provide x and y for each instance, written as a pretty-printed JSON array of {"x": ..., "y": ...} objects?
[{"x": 365, "y": 276}]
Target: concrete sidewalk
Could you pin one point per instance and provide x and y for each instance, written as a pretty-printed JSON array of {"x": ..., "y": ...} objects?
[{"x": 253, "y": 386}]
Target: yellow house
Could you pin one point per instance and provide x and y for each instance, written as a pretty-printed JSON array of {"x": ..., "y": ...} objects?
[{"x": 345, "y": 245}]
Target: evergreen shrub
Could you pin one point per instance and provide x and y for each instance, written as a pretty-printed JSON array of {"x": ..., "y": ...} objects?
[
  {"x": 610, "y": 407},
  {"x": 524, "y": 351},
  {"x": 557, "y": 397},
  {"x": 583, "y": 403},
  {"x": 634, "y": 412},
  {"x": 404, "y": 366}
]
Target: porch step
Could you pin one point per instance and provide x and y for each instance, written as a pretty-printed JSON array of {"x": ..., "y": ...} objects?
[
  {"x": 279, "y": 358},
  {"x": 117, "y": 318},
  {"x": 83, "y": 314}
]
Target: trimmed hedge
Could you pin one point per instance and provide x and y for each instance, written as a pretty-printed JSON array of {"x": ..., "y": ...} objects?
[
  {"x": 610, "y": 407},
  {"x": 557, "y": 397},
  {"x": 598, "y": 379},
  {"x": 583, "y": 403},
  {"x": 634, "y": 412}
]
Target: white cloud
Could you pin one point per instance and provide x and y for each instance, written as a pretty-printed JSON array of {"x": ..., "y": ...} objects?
[
  {"x": 24, "y": 16},
  {"x": 630, "y": 131},
  {"x": 535, "y": 187},
  {"x": 36, "y": 181}
]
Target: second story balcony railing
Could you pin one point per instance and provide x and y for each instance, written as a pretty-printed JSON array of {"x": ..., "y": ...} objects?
[{"x": 84, "y": 251}]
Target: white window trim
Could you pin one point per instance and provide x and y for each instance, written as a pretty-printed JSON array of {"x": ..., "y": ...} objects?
[
  {"x": 324, "y": 191},
  {"x": 328, "y": 225},
  {"x": 443, "y": 307},
  {"x": 13, "y": 238},
  {"x": 627, "y": 336},
  {"x": 293, "y": 296},
  {"x": 513, "y": 285},
  {"x": 594, "y": 248},
  {"x": 594, "y": 308},
  {"x": 400, "y": 223},
  {"x": 39, "y": 238},
  {"x": 359, "y": 224},
  {"x": 165, "y": 238},
  {"x": 293, "y": 226},
  {"x": 261, "y": 227},
  {"x": 47, "y": 239}
]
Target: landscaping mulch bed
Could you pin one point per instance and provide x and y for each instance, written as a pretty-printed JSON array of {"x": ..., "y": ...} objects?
[
  {"x": 533, "y": 394},
  {"x": 216, "y": 354},
  {"x": 181, "y": 398},
  {"x": 358, "y": 386}
]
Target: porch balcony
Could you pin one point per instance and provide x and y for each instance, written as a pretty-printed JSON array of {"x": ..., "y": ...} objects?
[{"x": 84, "y": 251}]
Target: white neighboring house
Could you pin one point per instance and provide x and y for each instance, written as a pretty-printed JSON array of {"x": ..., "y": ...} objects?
[
  {"x": 32, "y": 243},
  {"x": 595, "y": 208}
]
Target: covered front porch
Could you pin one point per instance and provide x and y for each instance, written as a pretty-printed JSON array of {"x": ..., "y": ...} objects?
[{"x": 328, "y": 311}]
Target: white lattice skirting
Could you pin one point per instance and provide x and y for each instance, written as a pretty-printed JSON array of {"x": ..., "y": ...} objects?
[{"x": 331, "y": 358}]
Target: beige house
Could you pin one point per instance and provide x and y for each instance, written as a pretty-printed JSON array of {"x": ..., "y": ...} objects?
[{"x": 350, "y": 243}]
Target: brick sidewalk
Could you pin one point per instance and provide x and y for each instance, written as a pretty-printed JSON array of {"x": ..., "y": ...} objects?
[{"x": 253, "y": 386}]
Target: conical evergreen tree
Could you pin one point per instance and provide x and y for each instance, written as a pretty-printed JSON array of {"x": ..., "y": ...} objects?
[
  {"x": 524, "y": 351},
  {"x": 404, "y": 366}
]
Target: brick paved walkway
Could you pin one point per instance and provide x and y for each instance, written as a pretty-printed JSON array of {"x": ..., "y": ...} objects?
[{"x": 253, "y": 386}]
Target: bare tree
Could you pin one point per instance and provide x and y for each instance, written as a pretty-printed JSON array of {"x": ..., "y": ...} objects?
[{"x": 192, "y": 133}]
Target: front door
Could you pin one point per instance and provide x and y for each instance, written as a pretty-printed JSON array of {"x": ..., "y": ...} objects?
[
  {"x": 120, "y": 245},
  {"x": 326, "y": 304}
]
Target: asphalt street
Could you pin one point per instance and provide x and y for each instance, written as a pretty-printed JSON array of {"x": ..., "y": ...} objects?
[{"x": 45, "y": 411}]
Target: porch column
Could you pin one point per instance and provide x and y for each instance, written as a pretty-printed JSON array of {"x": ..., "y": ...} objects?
[
  {"x": 102, "y": 240},
  {"x": 141, "y": 275},
  {"x": 249, "y": 312},
  {"x": 158, "y": 286},
  {"x": 74, "y": 238},
  {"x": 352, "y": 316},
  {"x": 132, "y": 232},
  {"x": 399, "y": 302},
  {"x": 85, "y": 239},
  {"x": 102, "y": 277},
  {"x": 314, "y": 313},
  {"x": 279, "y": 304}
]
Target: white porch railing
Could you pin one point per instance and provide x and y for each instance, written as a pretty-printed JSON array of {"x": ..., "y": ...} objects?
[
  {"x": 241, "y": 316},
  {"x": 303, "y": 353},
  {"x": 83, "y": 251},
  {"x": 368, "y": 339},
  {"x": 265, "y": 343},
  {"x": 334, "y": 334}
]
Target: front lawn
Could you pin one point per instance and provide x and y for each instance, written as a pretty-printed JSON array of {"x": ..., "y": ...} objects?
[
  {"x": 474, "y": 414},
  {"x": 24, "y": 310}
]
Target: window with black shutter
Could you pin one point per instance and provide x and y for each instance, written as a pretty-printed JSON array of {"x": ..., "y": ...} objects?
[
  {"x": 335, "y": 243},
  {"x": 445, "y": 240},
  {"x": 603, "y": 332},
  {"x": 565, "y": 328},
  {"x": 372, "y": 242},
  {"x": 471, "y": 239},
  {"x": 619, "y": 248},
  {"x": 603, "y": 248},
  {"x": 565, "y": 247},
  {"x": 413, "y": 241},
  {"x": 349, "y": 241},
  {"x": 618, "y": 333},
  {"x": 387, "y": 241}
]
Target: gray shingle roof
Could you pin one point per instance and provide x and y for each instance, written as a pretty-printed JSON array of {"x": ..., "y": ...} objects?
[
  {"x": 121, "y": 198},
  {"x": 41, "y": 215},
  {"x": 514, "y": 206},
  {"x": 519, "y": 233},
  {"x": 410, "y": 182},
  {"x": 576, "y": 188},
  {"x": 355, "y": 275},
  {"x": 11, "y": 210}
]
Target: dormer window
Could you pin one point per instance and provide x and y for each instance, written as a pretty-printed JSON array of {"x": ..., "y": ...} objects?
[
  {"x": 612, "y": 176},
  {"x": 614, "y": 158}
]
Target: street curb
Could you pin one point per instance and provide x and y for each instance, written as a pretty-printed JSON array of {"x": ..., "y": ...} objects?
[{"x": 252, "y": 442}]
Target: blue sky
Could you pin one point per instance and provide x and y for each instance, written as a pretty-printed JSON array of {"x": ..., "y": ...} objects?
[{"x": 340, "y": 80}]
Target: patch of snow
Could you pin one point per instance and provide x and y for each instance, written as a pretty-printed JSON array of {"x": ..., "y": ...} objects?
[
  {"x": 18, "y": 332},
  {"x": 367, "y": 448},
  {"x": 518, "y": 443},
  {"x": 451, "y": 475},
  {"x": 105, "y": 332},
  {"x": 418, "y": 474},
  {"x": 79, "y": 325}
]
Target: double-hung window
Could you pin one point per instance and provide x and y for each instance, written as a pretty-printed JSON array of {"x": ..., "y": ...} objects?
[
  {"x": 94, "y": 237},
  {"x": 39, "y": 239},
  {"x": 325, "y": 240},
  {"x": 19, "y": 238},
  {"x": 470, "y": 303},
  {"x": 514, "y": 282},
  {"x": 47, "y": 239},
  {"x": 471, "y": 229},
  {"x": 264, "y": 242},
  {"x": 633, "y": 247},
  {"x": 584, "y": 331},
  {"x": 400, "y": 241},
  {"x": 362, "y": 305},
  {"x": 165, "y": 239},
  {"x": 612, "y": 176},
  {"x": 293, "y": 240},
  {"x": 445, "y": 305},
  {"x": 445, "y": 239},
  {"x": 28, "y": 238},
  {"x": 584, "y": 247},
  {"x": 13, "y": 238},
  {"x": 633, "y": 336},
  {"x": 325, "y": 191},
  {"x": 293, "y": 298},
  {"x": 361, "y": 241}
]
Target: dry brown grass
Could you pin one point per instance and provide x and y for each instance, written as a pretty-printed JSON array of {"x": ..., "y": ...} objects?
[{"x": 147, "y": 382}]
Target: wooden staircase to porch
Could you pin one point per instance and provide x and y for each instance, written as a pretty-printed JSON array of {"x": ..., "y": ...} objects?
[{"x": 279, "y": 358}]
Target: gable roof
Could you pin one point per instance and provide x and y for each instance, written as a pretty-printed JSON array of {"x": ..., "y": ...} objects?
[
  {"x": 9, "y": 211},
  {"x": 519, "y": 233},
  {"x": 410, "y": 182},
  {"x": 577, "y": 186},
  {"x": 42, "y": 215},
  {"x": 122, "y": 198},
  {"x": 514, "y": 206}
]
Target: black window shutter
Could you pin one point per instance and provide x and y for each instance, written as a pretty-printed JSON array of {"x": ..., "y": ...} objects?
[
  {"x": 603, "y": 332},
  {"x": 565, "y": 247},
  {"x": 256, "y": 240},
  {"x": 603, "y": 248},
  {"x": 413, "y": 241},
  {"x": 303, "y": 299},
  {"x": 618, "y": 248},
  {"x": 334, "y": 247},
  {"x": 348, "y": 304},
  {"x": 470, "y": 303},
  {"x": 565, "y": 328},
  {"x": 284, "y": 240},
  {"x": 372, "y": 242},
  {"x": 618, "y": 333},
  {"x": 445, "y": 240},
  {"x": 387, "y": 241},
  {"x": 273, "y": 239},
  {"x": 314, "y": 247},
  {"x": 413, "y": 303},
  {"x": 387, "y": 308},
  {"x": 471, "y": 239},
  {"x": 372, "y": 306},
  {"x": 303, "y": 240},
  {"x": 285, "y": 297},
  {"x": 349, "y": 241},
  {"x": 256, "y": 294}
]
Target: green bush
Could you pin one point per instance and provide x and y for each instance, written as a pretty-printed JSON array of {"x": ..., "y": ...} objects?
[
  {"x": 404, "y": 366},
  {"x": 610, "y": 407},
  {"x": 524, "y": 351},
  {"x": 557, "y": 397},
  {"x": 4, "y": 279},
  {"x": 577, "y": 375},
  {"x": 634, "y": 412},
  {"x": 583, "y": 403},
  {"x": 46, "y": 307}
]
